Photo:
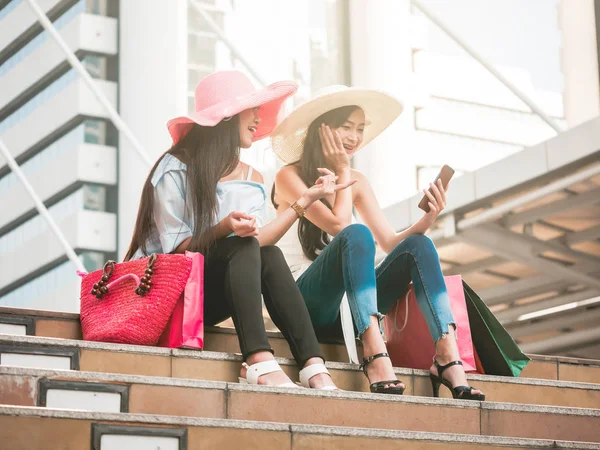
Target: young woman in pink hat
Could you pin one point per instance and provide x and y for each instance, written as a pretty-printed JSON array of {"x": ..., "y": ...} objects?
[
  {"x": 200, "y": 197},
  {"x": 330, "y": 255}
]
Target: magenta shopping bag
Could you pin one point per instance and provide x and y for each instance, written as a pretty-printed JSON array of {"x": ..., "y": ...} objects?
[{"x": 186, "y": 325}]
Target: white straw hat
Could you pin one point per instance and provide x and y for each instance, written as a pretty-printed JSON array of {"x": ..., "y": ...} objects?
[{"x": 380, "y": 110}]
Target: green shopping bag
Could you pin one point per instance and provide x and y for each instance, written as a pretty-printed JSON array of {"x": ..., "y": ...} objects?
[{"x": 498, "y": 352}]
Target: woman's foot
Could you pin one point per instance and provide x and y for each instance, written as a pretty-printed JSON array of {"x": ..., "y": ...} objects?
[
  {"x": 455, "y": 374},
  {"x": 379, "y": 369},
  {"x": 321, "y": 381},
  {"x": 446, "y": 352},
  {"x": 276, "y": 378}
]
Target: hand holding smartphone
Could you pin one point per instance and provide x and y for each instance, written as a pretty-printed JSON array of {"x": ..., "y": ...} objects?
[{"x": 445, "y": 175}]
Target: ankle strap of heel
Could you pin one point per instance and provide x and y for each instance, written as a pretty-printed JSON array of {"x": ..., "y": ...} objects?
[
  {"x": 441, "y": 369},
  {"x": 367, "y": 361}
]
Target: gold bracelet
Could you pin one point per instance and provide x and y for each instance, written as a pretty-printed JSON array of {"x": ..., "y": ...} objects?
[{"x": 300, "y": 211}]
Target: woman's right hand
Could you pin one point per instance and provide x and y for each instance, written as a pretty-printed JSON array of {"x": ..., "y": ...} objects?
[
  {"x": 333, "y": 148},
  {"x": 242, "y": 224},
  {"x": 325, "y": 185}
]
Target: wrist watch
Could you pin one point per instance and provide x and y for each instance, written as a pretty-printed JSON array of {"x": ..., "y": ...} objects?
[{"x": 300, "y": 211}]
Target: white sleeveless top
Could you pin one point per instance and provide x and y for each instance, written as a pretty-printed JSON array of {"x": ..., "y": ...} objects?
[{"x": 292, "y": 250}]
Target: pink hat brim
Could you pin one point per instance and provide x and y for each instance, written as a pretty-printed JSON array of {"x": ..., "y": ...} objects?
[{"x": 269, "y": 99}]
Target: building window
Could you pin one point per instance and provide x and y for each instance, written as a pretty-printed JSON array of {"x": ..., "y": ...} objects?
[
  {"x": 95, "y": 132},
  {"x": 94, "y": 197}
]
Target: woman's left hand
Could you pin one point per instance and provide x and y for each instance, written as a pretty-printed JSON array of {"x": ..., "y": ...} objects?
[
  {"x": 437, "y": 203},
  {"x": 325, "y": 185},
  {"x": 333, "y": 148}
]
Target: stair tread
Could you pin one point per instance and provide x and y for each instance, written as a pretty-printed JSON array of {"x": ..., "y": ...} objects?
[
  {"x": 149, "y": 419},
  {"x": 24, "y": 312},
  {"x": 222, "y": 356},
  {"x": 229, "y": 386}
]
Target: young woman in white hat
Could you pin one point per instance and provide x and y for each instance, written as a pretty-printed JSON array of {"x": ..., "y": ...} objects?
[
  {"x": 200, "y": 197},
  {"x": 327, "y": 131}
]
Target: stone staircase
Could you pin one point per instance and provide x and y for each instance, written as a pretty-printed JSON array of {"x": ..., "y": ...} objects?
[{"x": 59, "y": 392}]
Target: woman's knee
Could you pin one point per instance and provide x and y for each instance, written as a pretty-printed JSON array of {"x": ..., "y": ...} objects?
[
  {"x": 271, "y": 253},
  {"x": 358, "y": 235},
  {"x": 420, "y": 244},
  {"x": 273, "y": 264},
  {"x": 247, "y": 248}
]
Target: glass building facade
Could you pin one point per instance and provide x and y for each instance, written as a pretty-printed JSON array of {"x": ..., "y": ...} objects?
[{"x": 53, "y": 280}]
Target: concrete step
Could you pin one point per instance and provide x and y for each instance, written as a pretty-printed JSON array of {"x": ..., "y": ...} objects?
[
  {"x": 79, "y": 429},
  {"x": 152, "y": 395},
  {"x": 63, "y": 354},
  {"x": 56, "y": 324},
  {"x": 66, "y": 325}
]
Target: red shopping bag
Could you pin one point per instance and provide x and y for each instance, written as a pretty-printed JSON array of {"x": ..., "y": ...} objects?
[
  {"x": 186, "y": 325},
  {"x": 409, "y": 342}
]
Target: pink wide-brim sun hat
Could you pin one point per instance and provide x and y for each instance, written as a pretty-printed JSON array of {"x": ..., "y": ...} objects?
[{"x": 224, "y": 94}]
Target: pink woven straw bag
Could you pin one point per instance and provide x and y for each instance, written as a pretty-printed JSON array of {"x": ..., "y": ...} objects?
[{"x": 131, "y": 302}]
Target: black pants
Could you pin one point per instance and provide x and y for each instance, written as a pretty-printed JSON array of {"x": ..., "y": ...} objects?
[{"x": 236, "y": 272}]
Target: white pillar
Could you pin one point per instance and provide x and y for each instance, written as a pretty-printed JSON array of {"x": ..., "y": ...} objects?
[
  {"x": 381, "y": 58},
  {"x": 152, "y": 90},
  {"x": 579, "y": 61}
]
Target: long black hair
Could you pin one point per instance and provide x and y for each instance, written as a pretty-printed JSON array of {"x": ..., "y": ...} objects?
[
  {"x": 210, "y": 153},
  {"x": 311, "y": 237}
]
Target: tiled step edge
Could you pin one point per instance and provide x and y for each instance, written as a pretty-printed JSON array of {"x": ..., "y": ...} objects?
[
  {"x": 49, "y": 315},
  {"x": 182, "y": 382},
  {"x": 80, "y": 375},
  {"x": 146, "y": 419},
  {"x": 219, "y": 356}
]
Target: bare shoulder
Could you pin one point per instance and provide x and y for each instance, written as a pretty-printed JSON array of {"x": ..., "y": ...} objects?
[
  {"x": 362, "y": 182},
  {"x": 361, "y": 188},
  {"x": 286, "y": 173},
  {"x": 358, "y": 175}
]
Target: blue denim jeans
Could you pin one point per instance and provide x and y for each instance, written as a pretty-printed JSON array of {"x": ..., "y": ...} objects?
[{"x": 347, "y": 264}]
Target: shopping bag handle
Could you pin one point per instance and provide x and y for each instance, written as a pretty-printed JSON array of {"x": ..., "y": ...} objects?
[
  {"x": 123, "y": 278},
  {"x": 143, "y": 284},
  {"x": 405, "y": 315}
]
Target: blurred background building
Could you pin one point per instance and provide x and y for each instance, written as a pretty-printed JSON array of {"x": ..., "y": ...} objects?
[{"x": 536, "y": 264}]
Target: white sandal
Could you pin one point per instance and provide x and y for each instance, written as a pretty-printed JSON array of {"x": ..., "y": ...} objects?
[
  {"x": 310, "y": 371},
  {"x": 254, "y": 371}
]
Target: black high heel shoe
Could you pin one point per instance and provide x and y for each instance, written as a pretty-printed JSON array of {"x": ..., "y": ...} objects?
[
  {"x": 379, "y": 386},
  {"x": 459, "y": 392}
]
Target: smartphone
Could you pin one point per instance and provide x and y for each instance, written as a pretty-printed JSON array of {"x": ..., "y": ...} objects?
[{"x": 445, "y": 175}]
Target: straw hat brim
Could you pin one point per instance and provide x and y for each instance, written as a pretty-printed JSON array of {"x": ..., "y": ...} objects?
[
  {"x": 380, "y": 109},
  {"x": 269, "y": 99}
]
